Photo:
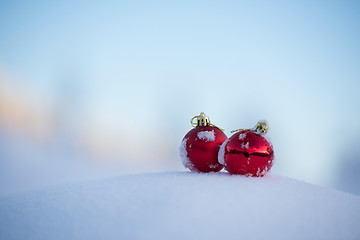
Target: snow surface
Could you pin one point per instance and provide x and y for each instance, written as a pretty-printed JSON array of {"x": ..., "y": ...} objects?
[
  {"x": 208, "y": 136},
  {"x": 182, "y": 206}
]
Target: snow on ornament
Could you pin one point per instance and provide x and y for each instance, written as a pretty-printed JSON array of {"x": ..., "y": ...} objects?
[
  {"x": 248, "y": 152},
  {"x": 200, "y": 146}
]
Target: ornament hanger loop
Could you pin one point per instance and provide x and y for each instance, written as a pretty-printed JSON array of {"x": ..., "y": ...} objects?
[
  {"x": 238, "y": 130},
  {"x": 261, "y": 127}
]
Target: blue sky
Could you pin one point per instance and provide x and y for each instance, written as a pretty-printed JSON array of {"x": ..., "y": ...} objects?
[{"x": 143, "y": 69}]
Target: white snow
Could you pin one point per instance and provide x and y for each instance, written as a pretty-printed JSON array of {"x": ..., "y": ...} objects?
[
  {"x": 242, "y": 136},
  {"x": 182, "y": 206},
  {"x": 245, "y": 145},
  {"x": 213, "y": 166},
  {"x": 208, "y": 136},
  {"x": 184, "y": 155},
  {"x": 221, "y": 153}
]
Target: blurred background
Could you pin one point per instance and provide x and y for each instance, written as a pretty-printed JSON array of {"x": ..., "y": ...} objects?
[{"x": 97, "y": 88}]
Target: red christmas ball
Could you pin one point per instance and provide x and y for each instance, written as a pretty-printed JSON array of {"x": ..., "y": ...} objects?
[
  {"x": 199, "y": 149},
  {"x": 247, "y": 153}
]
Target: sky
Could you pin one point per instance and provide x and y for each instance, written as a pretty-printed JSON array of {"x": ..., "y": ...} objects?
[{"x": 124, "y": 78}]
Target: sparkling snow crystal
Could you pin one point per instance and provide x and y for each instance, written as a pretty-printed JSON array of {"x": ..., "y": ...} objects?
[
  {"x": 221, "y": 153},
  {"x": 213, "y": 166},
  {"x": 245, "y": 145},
  {"x": 242, "y": 136},
  {"x": 208, "y": 136}
]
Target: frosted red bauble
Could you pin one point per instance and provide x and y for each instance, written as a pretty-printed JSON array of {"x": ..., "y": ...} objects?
[
  {"x": 199, "y": 149},
  {"x": 247, "y": 153}
]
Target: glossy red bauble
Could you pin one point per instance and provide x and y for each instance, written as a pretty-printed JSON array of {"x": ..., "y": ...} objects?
[
  {"x": 199, "y": 149},
  {"x": 247, "y": 153}
]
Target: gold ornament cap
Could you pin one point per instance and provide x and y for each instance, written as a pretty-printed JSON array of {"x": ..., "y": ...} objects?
[
  {"x": 202, "y": 120},
  {"x": 261, "y": 127}
]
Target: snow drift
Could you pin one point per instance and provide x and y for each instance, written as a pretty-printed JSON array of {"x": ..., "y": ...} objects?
[{"x": 182, "y": 206}]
